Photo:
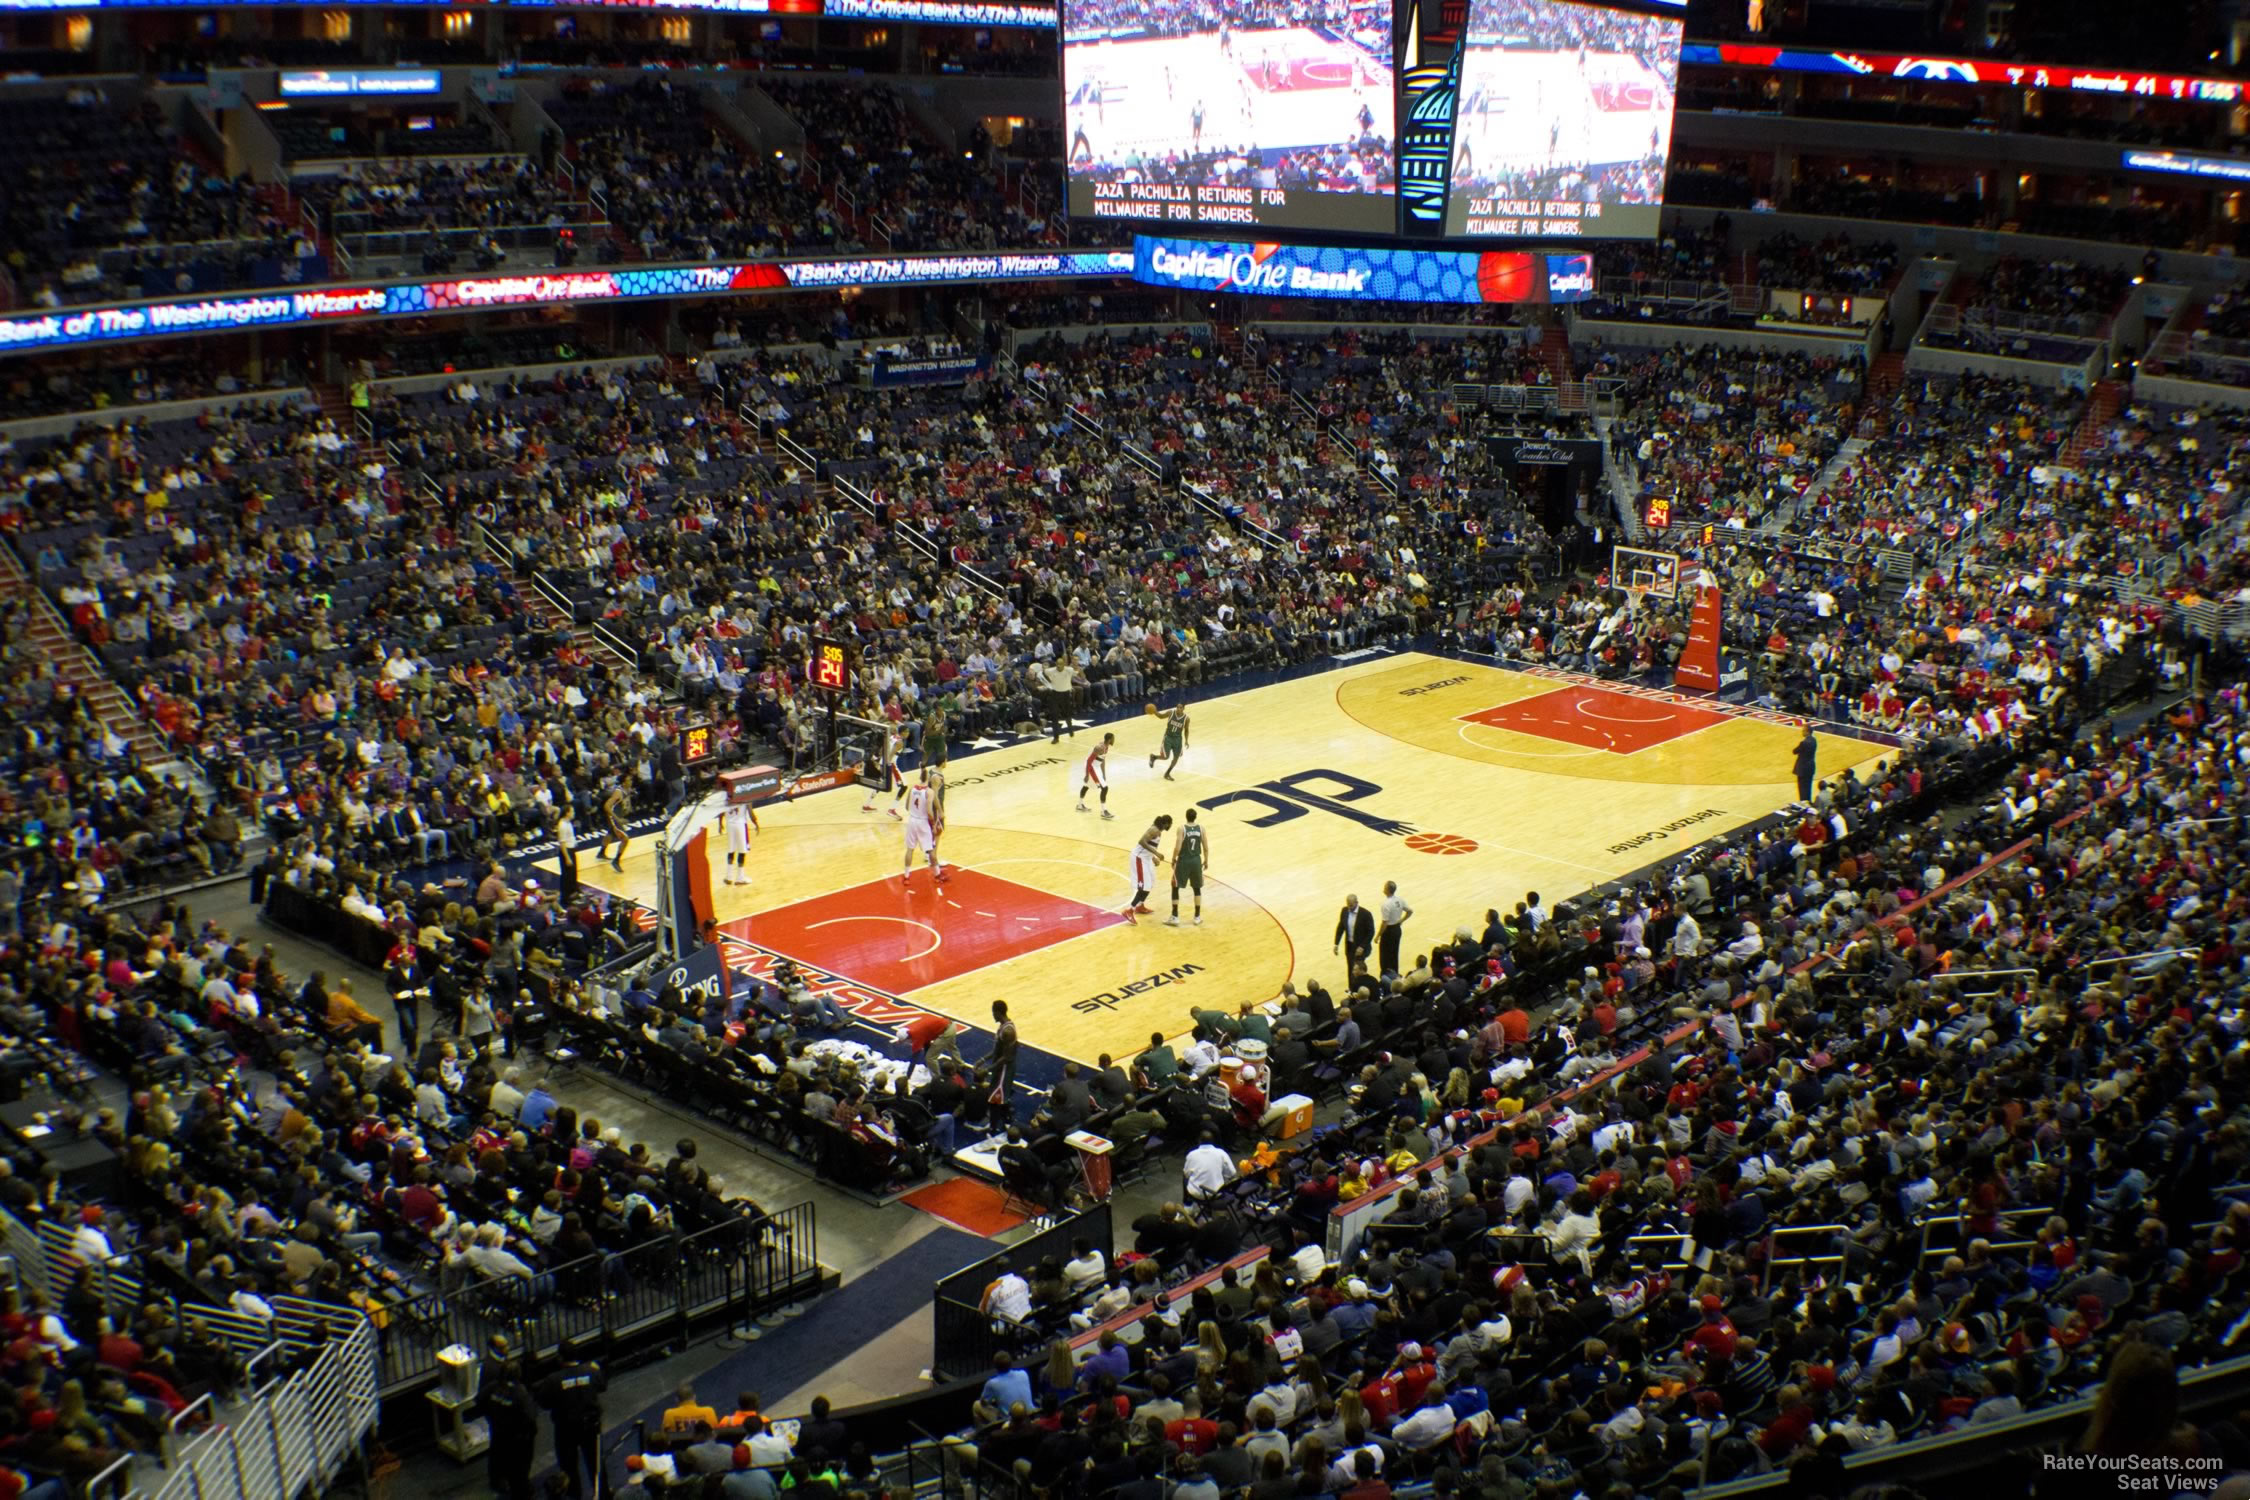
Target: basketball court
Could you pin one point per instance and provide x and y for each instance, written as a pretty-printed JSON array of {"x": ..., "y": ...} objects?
[{"x": 1468, "y": 784}]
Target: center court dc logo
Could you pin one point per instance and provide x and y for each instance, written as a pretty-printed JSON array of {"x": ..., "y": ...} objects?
[{"x": 1287, "y": 797}]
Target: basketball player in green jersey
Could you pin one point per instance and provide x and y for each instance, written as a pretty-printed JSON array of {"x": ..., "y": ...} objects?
[
  {"x": 1175, "y": 741},
  {"x": 1191, "y": 855},
  {"x": 933, "y": 736}
]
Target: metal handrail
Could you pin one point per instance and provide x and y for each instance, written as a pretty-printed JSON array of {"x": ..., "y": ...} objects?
[
  {"x": 1925, "y": 1456},
  {"x": 1773, "y": 1236},
  {"x": 94, "y": 1485},
  {"x": 180, "y": 1417},
  {"x": 374, "y": 243},
  {"x": 796, "y": 452},
  {"x": 1960, "y": 1217}
]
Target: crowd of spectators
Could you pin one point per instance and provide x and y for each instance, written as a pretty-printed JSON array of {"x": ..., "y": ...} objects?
[
  {"x": 2063, "y": 289},
  {"x": 1682, "y": 254},
  {"x": 281, "y": 1141},
  {"x": 1738, "y": 435},
  {"x": 912, "y": 192},
  {"x": 1837, "y": 264},
  {"x": 101, "y": 203},
  {"x": 679, "y": 186},
  {"x": 1947, "y": 457},
  {"x": 154, "y": 378},
  {"x": 2227, "y": 315},
  {"x": 504, "y": 192},
  {"x": 2152, "y": 500}
]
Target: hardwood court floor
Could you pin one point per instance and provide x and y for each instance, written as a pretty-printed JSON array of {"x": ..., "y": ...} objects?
[{"x": 1469, "y": 785}]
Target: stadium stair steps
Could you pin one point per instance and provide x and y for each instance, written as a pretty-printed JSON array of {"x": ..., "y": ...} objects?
[
  {"x": 1962, "y": 291},
  {"x": 1884, "y": 376},
  {"x": 551, "y": 617},
  {"x": 2108, "y": 400},
  {"x": 335, "y": 403},
  {"x": 50, "y": 635},
  {"x": 1239, "y": 355},
  {"x": 1554, "y": 353},
  {"x": 1846, "y": 453}
]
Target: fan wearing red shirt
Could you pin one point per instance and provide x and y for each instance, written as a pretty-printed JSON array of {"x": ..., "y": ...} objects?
[
  {"x": 1249, "y": 1102},
  {"x": 1193, "y": 1432},
  {"x": 1714, "y": 1337},
  {"x": 119, "y": 1352},
  {"x": 1379, "y": 1399},
  {"x": 421, "y": 1207},
  {"x": 1414, "y": 1374},
  {"x": 1787, "y": 1431}
]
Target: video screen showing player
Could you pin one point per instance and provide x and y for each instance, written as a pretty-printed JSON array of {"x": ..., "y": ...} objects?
[
  {"x": 1242, "y": 112},
  {"x": 1564, "y": 120}
]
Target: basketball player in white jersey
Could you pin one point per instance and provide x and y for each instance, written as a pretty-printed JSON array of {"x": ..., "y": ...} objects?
[
  {"x": 886, "y": 774},
  {"x": 1146, "y": 857},
  {"x": 925, "y": 820},
  {"x": 1096, "y": 774},
  {"x": 739, "y": 821}
]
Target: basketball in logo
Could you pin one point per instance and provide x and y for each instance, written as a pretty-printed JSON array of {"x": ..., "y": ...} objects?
[
  {"x": 1504, "y": 276},
  {"x": 1441, "y": 843}
]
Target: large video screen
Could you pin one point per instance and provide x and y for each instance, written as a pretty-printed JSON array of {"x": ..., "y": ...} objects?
[
  {"x": 1252, "y": 113},
  {"x": 1564, "y": 120}
]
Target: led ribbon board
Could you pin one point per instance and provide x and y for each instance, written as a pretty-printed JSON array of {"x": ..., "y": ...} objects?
[
  {"x": 1969, "y": 70},
  {"x": 1373, "y": 273},
  {"x": 70, "y": 327}
]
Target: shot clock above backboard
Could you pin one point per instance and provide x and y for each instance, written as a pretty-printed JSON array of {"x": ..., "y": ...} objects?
[{"x": 831, "y": 665}]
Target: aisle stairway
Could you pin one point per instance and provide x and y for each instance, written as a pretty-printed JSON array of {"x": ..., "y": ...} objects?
[
  {"x": 335, "y": 403},
  {"x": 1884, "y": 376},
  {"x": 1846, "y": 452},
  {"x": 2108, "y": 400},
  {"x": 1554, "y": 353},
  {"x": 50, "y": 636}
]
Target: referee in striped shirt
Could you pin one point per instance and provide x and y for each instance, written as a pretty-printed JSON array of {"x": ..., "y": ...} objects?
[{"x": 1393, "y": 918}]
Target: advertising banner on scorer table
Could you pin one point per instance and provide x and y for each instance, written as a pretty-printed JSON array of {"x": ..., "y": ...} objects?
[
  {"x": 1278, "y": 116},
  {"x": 1382, "y": 273}
]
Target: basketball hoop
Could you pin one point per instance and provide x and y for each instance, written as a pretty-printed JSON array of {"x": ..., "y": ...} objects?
[
  {"x": 1636, "y": 594},
  {"x": 1646, "y": 570}
]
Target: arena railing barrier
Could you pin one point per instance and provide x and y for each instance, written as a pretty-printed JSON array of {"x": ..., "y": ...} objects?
[
  {"x": 2031, "y": 1216},
  {"x": 1950, "y": 1455},
  {"x": 966, "y": 1336},
  {"x": 1774, "y": 1237},
  {"x": 408, "y": 244},
  {"x": 296, "y": 1433},
  {"x": 299, "y": 1426},
  {"x": 656, "y": 1292}
]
